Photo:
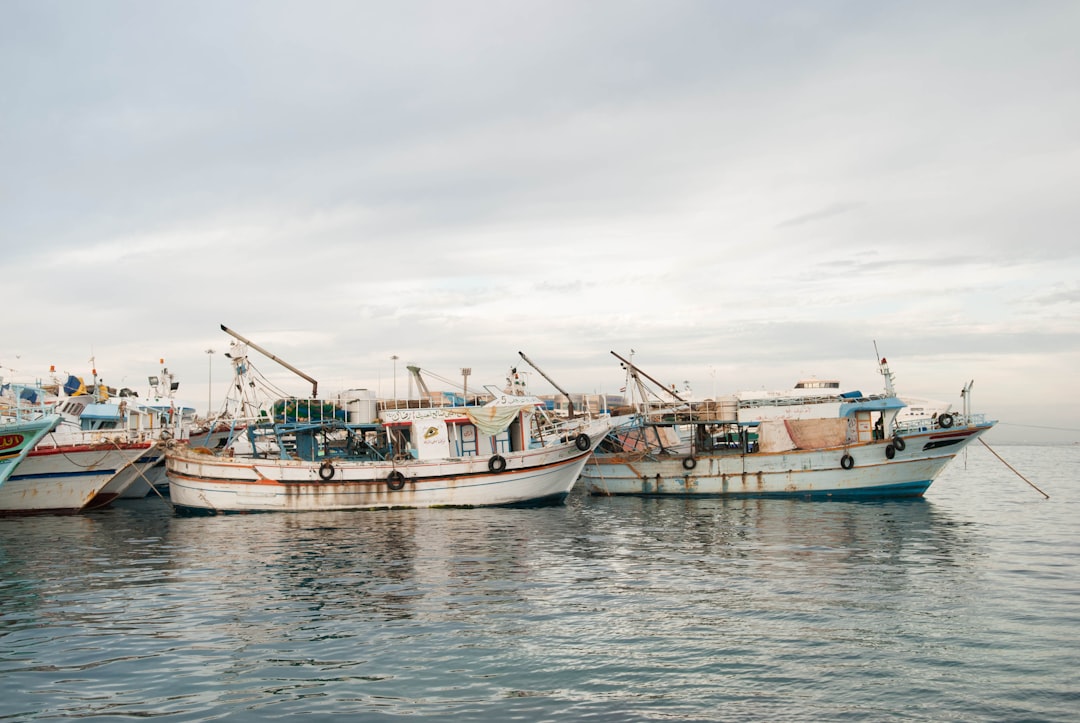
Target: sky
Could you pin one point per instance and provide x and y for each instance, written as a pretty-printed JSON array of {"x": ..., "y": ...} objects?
[{"x": 740, "y": 194}]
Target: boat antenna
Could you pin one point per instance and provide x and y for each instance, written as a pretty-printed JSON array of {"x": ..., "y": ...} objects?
[
  {"x": 290, "y": 367},
  {"x": 570, "y": 402},
  {"x": 883, "y": 368}
]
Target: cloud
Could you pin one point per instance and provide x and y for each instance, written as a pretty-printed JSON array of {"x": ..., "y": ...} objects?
[
  {"x": 741, "y": 193},
  {"x": 833, "y": 210}
]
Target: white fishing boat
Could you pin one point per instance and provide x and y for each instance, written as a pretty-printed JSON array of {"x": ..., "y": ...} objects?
[
  {"x": 864, "y": 450},
  {"x": 311, "y": 454},
  {"x": 175, "y": 420},
  {"x": 24, "y": 421},
  {"x": 80, "y": 463}
]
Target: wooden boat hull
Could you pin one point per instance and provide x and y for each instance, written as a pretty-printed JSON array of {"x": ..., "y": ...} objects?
[
  {"x": 210, "y": 484},
  {"x": 798, "y": 473},
  {"x": 18, "y": 437},
  {"x": 64, "y": 479},
  {"x": 133, "y": 480}
]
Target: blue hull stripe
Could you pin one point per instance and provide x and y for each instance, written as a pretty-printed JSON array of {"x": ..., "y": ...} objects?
[
  {"x": 906, "y": 489},
  {"x": 61, "y": 475}
]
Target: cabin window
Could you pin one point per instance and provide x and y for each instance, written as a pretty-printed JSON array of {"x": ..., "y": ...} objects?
[
  {"x": 465, "y": 440},
  {"x": 817, "y": 385},
  {"x": 399, "y": 440}
]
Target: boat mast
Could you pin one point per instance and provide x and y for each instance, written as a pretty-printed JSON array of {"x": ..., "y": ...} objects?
[
  {"x": 290, "y": 367},
  {"x": 883, "y": 369},
  {"x": 637, "y": 370},
  {"x": 570, "y": 402}
]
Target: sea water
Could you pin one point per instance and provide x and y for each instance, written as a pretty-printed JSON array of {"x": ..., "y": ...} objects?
[{"x": 963, "y": 605}]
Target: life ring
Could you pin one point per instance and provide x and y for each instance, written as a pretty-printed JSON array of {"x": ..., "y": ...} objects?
[
  {"x": 945, "y": 421},
  {"x": 899, "y": 443},
  {"x": 583, "y": 442},
  {"x": 890, "y": 451},
  {"x": 689, "y": 463},
  {"x": 847, "y": 461},
  {"x": 326, "y": 471},
  {"x": 496, "y": 464},
  {"x": 395, "y": 480}
]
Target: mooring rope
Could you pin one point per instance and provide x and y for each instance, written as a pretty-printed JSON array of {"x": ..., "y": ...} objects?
[{"x": 1013, "y": 469}]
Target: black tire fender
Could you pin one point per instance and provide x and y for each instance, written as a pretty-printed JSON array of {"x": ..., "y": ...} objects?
[
  {"x": 899, "y": 443},
  {"x": 395, "y": 480},
  {"x": 689, "y": 463},
  {"x": 847, "y": 461},
  {"x": 326, "y": 470},
  {"x": 497, "y": 463},
  {"x": 583, "y": 442},
  {"x": 945, "y": 420},
  {"x": 890, "y": 451}
]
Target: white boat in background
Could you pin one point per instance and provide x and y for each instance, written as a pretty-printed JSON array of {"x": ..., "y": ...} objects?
[
  {"x": 326, "y": 455},
  {"x": 88, "y": 458},
  {"x": 24, "y": 421},
  {"x": 863, "y": 450},
  {"x": 175, "y": 418},
  {"x": 817, "y": 398}
]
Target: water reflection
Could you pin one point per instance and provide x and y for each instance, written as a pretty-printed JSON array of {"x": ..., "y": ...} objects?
[{"x": 617, "y": 607}]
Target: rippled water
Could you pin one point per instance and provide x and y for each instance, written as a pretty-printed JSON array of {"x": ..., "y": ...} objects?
[{"x": 962, "y": 606}]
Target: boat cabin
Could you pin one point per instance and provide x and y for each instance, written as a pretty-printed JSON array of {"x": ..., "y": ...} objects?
[
  {"x": 499, "y": 427},
  {"x": 310, "y": 429}
]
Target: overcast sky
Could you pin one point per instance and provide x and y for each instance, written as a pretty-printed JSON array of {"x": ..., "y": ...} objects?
[{"x": 744, "y": 193}]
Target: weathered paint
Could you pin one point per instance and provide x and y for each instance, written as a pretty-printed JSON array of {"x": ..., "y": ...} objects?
[
  {"x": 202, "y": 482},
  {"x": 63, "y": 480},
  {"x": 798, "y": 473}
]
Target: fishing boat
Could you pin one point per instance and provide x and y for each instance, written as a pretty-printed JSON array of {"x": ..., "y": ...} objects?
[
  {"x": 314, "y": 454},
  {"x": 175, "y": 420},
  {"x": 862, "y": 451},
  {"x": 80, "y": 463},
  {"x": 23, "y": 423}
]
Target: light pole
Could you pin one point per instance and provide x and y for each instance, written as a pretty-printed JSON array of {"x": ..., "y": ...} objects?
[
  {"x": 209, "y": 382},
  {"x": 465, "y": 372},
  {"x": 395, "y": 358}
]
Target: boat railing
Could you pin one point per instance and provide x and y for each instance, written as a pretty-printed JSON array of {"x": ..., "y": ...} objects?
[
  {"x": 807, "y": 400},
  {"x": 750, "y": 403},
  {"x": 941, "y": 422},
  {"x": 22, "y": 403}
]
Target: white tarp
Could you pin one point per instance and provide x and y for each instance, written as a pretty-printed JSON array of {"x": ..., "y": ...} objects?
[{"x": 490, "y": 420}]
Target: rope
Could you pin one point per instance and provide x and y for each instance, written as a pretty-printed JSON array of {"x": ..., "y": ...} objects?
[
  {"x": 147, "y": 481},
  {"x": 1039, "y": 426},
  {"x": 1013, "y": 469},
  {"x": 73, "y": 462}
]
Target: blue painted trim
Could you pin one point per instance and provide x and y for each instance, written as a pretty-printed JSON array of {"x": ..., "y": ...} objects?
[
  {"x": 59, "y": 475},
  {"x": 906, "y": 489},
  {"x": 847, "y": 409}
]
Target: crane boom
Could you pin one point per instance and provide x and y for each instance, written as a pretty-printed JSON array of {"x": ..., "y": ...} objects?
[
  {"x": 290, "y": 367},
  {"x": 637, "y": 370},
  {"x": 420, "y": 384},
  {"x": 570, "y": 402}
]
